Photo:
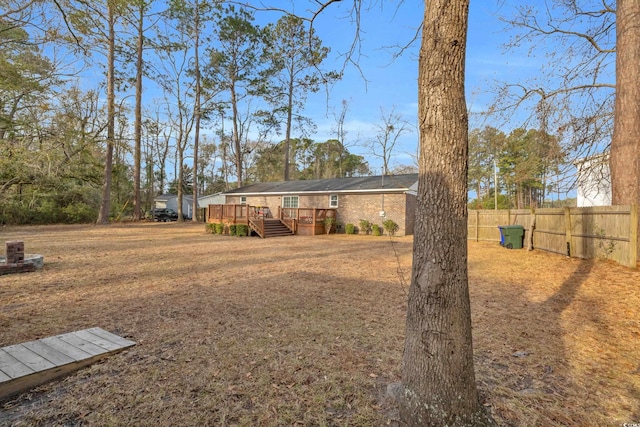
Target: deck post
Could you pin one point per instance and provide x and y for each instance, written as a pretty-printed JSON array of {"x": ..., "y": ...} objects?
[{"x": 314, "y": 221}]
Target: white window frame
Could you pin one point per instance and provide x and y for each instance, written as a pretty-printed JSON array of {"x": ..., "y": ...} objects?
[
  {"x": 243, "y": 200},
  {"x": 290, "y": 200},
  {"x": 333, "y": 200}
]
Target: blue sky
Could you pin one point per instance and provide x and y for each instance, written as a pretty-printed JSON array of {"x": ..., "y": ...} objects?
[
  {"x": 393, "y": 82},
  {"x": 382, "y": 82}
]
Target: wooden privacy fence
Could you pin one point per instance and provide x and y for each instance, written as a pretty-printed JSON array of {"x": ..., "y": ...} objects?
[{"x": 593, "y": 232}]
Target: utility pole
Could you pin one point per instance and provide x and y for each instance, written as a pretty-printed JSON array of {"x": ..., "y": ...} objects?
[{"x": 495, "y": 184}]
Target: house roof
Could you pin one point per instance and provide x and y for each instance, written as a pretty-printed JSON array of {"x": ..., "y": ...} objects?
[
  {"x": 184, "y": 197},
  {"x": 360, "y": 184},
  {"x": 167, "y": 197},
  {"x": 211, "y": 196},
  {"x": 163, "y": 197}
]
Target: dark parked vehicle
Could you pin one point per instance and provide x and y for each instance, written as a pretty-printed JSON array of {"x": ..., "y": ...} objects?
[{"x": 165, "y": 215}]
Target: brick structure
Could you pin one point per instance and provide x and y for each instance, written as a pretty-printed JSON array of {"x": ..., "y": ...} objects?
[
  {"x": 15, "y": 252},
  {"x": 14, "y": 261},
  {"x": 353, "y": 198}
]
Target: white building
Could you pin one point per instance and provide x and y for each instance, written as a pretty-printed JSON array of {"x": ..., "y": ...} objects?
[
  {"x": 594, "y": 181},
  {"x": 211, "y": 199}
]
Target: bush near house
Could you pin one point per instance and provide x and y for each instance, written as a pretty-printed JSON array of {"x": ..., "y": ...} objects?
[
  {"x": 350, "y": 229},
  {"x": 242, "y": 230},
  {"x": 390, "y": 226},
  {"x": 365, "y": 226},
  {"x": 376, "y": 230}
]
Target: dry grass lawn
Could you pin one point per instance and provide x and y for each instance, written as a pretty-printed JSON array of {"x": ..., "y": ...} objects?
[{"x": 308, "y": 330}]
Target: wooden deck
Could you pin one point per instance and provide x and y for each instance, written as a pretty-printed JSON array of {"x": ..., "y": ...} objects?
[
  {"x": 305, "y": 221},
  {"x": 27, "y": 365}
]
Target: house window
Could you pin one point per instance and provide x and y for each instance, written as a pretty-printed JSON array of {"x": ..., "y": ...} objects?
[
  {"x": 243, "y": 200},
  {"x": 290, "y": 201},
  {"x": 333, "y": 201}
]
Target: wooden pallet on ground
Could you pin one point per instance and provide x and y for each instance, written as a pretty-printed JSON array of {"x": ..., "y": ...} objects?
[{"x": 30, "y": 364}]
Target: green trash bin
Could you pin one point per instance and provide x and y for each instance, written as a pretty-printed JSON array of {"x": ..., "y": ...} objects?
[{"x": 513, "y": 236}]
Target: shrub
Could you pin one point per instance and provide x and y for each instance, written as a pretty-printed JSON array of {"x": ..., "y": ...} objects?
[
  {"x": 233, "y": 229},
  {"x": 219, "y": 228},
  {"x": 350, "y": 229},
  {"x": 242, "y": 230},
  {"x": 79, "y": 213},
  {"x": 377, "y": 231},
  {"x": 210, "y": 228},
  {"x": 390, "y": 226},
  {"x": 365, "y": 226},
  {"x": 329, "y": 223}
]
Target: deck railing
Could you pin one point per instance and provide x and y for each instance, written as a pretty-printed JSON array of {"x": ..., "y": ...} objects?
[
  {"x": 311, "y": 219},
  {"x": 236, "y": 214},
  {"x": 307, "y": 215}
]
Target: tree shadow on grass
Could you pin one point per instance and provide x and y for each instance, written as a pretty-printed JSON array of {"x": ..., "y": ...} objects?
[{"x": 522, "y": 362}]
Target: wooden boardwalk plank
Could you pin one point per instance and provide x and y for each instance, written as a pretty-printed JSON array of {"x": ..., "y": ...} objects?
[
  {"x": 122, "y": 342},
  {"x": 94, "y": 339},
  {"x": 27, "y": 365},
  {"x": 82, "y": 344},
  {"x": 29, "y": 358},
  {"x": 65, "y": 348},
  {"x": 48, "y": 352},
  {"x": 12, "y": 366}
]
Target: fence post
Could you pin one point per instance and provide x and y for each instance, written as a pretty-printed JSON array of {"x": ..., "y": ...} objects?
[
  {"x": 633, "y": 236},
  {"x": 532, "y": 226},
  {"x": 567, "y": 227},
  {"x": 477, "y": 225}
]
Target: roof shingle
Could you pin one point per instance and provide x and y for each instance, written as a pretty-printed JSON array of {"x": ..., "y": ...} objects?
[{"x": 355, "y": 184}]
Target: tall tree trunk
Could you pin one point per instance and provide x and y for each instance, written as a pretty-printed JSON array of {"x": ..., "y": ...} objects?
[
  {"x": 236, "y": 136},
  {"x": 287, "y": 138},
  {"x": 138, "y": 120},
  {"x": 438, "y": 376},
  {"x": 105, "y": 205},
  {"x": 625, "y": 145},
  {"x": 197, "y": 112}
]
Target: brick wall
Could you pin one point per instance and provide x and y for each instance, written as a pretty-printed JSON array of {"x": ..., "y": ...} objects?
[
  {"x": 354, "y": 207},
  {"x": 351, "y": 207}
]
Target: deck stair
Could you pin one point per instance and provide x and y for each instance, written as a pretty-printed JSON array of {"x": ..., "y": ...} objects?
[
  {"x": 27, "y": 365},
  {"x": 273, "y": 227}
]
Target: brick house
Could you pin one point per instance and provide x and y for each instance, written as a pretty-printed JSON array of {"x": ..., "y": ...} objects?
[{"x": 373, "y": 198}]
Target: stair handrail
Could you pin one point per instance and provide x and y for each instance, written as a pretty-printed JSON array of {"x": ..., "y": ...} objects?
[
  {"x": 288, "y": 221},
  {"x": 257, "y": 225}
]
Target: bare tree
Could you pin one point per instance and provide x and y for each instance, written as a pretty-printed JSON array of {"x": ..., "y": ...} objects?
[
  {"x": 178, "y": 89},
  {"x": 576, "y": 84},
  {"x": 391, "y": 127},
  {"x": 192, "y": 16},
  {"x": 341, "y": 133}
]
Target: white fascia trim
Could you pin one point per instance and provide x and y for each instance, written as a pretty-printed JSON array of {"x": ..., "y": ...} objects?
[{"x": 326, "y": 192}]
